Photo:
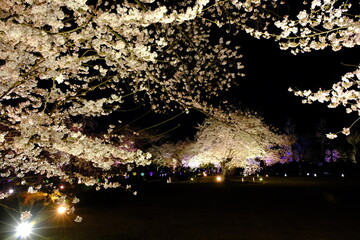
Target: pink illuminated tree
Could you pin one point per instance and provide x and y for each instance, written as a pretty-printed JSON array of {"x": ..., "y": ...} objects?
[{"x": 238, "y": 143}]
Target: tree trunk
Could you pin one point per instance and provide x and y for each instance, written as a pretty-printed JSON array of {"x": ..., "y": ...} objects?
[
  {"x": 223, "y": 169},
  {"x": 353, "y": 154}
]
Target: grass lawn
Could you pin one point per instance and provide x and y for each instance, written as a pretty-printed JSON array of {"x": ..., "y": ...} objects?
[{"x": 274, "y": 209}]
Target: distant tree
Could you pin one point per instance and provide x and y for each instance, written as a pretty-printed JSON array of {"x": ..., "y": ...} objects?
[
  {"x": 321, "y": 131},
  {"x": 170, "y": 154},
  {"x": 235, "y": 144},
  {"x": 292, "y": 138}
]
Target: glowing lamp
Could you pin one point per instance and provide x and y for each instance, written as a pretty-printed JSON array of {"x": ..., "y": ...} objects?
[
  {"x": 261, "y": 179},
  {"x": 11, "y": 191},
  {"x": 142, "y": 174},
  {"x": 61, "y": 209},
  {"x": 218, "y": 178},
  {"x": 24, "y": 229},
  {"x": 204, "y": 173},
  {"x": 191, "y": 179},
  {"x": 151, "y": 174},
  {"x": 342, "y": 175},
  {"x": 62, "y": 187}
]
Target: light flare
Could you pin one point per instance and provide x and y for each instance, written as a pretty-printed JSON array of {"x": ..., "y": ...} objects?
[
  {"x": 219, "y": 179},
  {"x": 61, "y": 209},
  {"x": 24, "y": 229}
]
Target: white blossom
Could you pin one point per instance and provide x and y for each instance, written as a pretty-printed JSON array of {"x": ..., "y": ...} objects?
[
  {"x": 25, "y": 216},
  {"x": 346, "y": 131},
  {"x": 331, "y": 135},
  {"x": 2, "y": 138},
  {"x": 59, "y": 79},
  {"x": 78, "y": 219}
]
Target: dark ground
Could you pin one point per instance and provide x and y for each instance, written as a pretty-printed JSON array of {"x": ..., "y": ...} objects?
[{"x": 276, "y": 209}]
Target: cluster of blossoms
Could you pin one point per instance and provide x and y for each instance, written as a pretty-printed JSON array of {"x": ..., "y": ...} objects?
[
  {"x": 344, "y": 93},
  {"x": 326, "y": 23}
]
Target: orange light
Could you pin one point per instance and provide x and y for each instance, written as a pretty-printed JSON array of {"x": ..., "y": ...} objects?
[{"x": 61, "y": 209}]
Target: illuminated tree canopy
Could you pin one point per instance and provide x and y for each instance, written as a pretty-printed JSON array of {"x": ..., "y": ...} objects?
[
  {"x": 65, "y": 59},
  {"x": 240, "y": 143}
]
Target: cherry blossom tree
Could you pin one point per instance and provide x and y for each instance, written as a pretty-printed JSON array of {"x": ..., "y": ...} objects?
[
  {"x": 239, "y": 143},
  {"x": 168, "y": 154},
  {"x": 65, "y": 60}
]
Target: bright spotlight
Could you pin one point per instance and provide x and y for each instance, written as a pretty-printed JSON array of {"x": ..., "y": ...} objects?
[
  {"x": 24, "y": 229},
  {"x": 61, "y": 209},
  {"x": 11, "y": 191},
  {"x": 218, "y": 178}
]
